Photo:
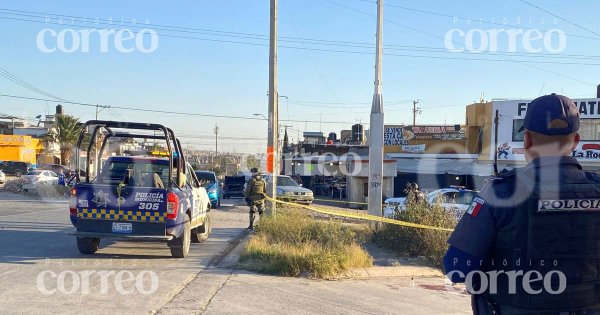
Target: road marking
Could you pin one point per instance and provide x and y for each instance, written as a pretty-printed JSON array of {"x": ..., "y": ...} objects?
[{"x": 13, "y": 215}]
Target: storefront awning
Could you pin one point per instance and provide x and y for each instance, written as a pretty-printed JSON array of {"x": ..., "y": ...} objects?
[{"x": 443, "y": 166}]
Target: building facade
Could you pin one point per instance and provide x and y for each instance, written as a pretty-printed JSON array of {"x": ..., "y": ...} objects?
[
  {"x": 20, "y": 148},
  {"x": 508, "y": 149}
]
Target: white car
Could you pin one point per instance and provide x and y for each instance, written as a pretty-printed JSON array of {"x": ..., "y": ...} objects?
[
  {"x": 39, "y": 177},
  {"x": 455, "y": 201},
  {"x": 2, "y": 177},
  {"x": 289, "y": 190}
]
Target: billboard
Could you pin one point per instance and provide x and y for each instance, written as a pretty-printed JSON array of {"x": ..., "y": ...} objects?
[
  {"x": 400, "y": 135},
  {"x": 510, "y": 141},
  {"x": 451, "y": 132},
  {"x": 394, "y": 136}
]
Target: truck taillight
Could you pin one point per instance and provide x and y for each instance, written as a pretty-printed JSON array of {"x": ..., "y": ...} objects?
[
  {"x": 172, "y": 206},
  {"x": 73, "y": 202}
]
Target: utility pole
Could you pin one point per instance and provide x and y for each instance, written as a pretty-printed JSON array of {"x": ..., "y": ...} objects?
[
  {"x": 416, "y": 110},
  {"x": 377, "y": 122},
  {"x": 216, "y": 130},
  {"x": 100, "y": 108},
  {"x": 273, "y": 142}
]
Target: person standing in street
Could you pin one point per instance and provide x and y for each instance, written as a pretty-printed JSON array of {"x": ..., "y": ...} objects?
[
  {"x": 530, "y": 242},
  {"x": 61, "y": 178},
  {"x": 255, "y": 193}
]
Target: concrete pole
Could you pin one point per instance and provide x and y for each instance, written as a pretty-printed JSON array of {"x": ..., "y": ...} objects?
[
  {"x": 216, "y": 130},
  {"x": 273, "y": 141},
  {"x": 376, "y": 125}
]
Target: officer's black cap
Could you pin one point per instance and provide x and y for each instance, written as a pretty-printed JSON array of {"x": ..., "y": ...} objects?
[{"x": 548, "y": 108}]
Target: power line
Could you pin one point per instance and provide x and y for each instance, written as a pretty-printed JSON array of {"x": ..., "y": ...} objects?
[
  {"x": 469, "y": 19},
  {"x": 525, "y": 63},
  {"x": 561, "y": 18},
  {"x": 356, "y": 45},
  {"x": 169, "y": 112},
  {"x": 310, "y": 57},
  {"x": 11, "y": 77}
]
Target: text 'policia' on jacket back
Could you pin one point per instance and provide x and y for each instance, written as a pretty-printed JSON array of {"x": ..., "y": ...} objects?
[{"x": 137, "y": 198}]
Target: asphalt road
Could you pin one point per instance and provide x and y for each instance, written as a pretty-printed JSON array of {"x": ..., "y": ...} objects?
[{"x": 41, "y": 270}]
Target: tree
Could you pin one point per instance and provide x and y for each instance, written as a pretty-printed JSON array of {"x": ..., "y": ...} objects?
[
  {"x": 252, "y": 162},
  {"x": 66, "y": 134}
]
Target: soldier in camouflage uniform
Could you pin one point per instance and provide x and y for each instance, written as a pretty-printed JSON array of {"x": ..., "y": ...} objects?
[{"x": 256, "y": 194}]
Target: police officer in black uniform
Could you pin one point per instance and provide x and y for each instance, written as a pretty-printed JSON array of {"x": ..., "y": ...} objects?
[{"x": 531, "y": 239}]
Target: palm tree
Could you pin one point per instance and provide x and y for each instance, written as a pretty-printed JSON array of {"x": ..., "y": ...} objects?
[{"x": 66, "y": 134}]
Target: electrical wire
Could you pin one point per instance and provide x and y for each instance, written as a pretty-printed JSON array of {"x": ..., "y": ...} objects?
[
  {"x": 470, "y": 19},
  {"x": 561, "y": 18},
  {"x": 11, "y": 77},
  {"x": 302, "y": 41},
  {"x": 171, "y": 112},
  {"x": 525, "y": 63}
]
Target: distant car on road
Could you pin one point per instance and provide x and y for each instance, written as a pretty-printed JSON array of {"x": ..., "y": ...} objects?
[
  {"x": 15, "y": 168},
  {"x": 455, "y": 201},
  {"x": 289, "y": 190},
  {"x": 234, "y": 186},
  {"x": 2, "y": 177},
  {"x": 39, "y": 177},
  {"x": 210, "y": 181}
]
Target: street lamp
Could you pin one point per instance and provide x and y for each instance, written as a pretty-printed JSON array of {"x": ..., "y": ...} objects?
[{"x": 263, "y": 116}]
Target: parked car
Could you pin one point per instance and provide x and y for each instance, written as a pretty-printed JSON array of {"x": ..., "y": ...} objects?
[
  {"x": 56, "y": 168},
  {"x": 456, "y": 201},
  {"x": 289, "y": 190},
  {"x": 2, "y": 177},
  {"x": 16, "y": 168},
  {"x": 211, "y": 183},
  {"x": 39, "y": 177},
  {"x": 234, "y": 186}
]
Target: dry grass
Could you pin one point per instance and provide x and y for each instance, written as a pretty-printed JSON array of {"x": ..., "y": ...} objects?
[
  {"x": 42, "y": 191},
  {"x": 430, "y": 244},
  {"x": 293, "y": 243},
  {"x": 15, "y": 185}
]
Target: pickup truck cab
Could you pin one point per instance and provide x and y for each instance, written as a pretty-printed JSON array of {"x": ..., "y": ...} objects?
[{"x": 139, "y": 198}]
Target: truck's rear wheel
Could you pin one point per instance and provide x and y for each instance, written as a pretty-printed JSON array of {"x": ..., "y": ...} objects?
[
  {"x": 180, "y": 246},
  {"x": 203, "y": 231},
  {"x": 88, "y": 245}
]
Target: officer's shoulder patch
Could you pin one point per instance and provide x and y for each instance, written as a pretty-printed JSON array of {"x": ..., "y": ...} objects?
[{"x": 475, "y": 206}]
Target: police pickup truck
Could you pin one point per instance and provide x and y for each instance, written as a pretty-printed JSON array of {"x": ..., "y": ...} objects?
[{"x": 137, "y": 198}]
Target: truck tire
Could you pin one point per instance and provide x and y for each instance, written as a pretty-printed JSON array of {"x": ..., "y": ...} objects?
[
  {"x": 203, "y": 232},
  {"x": 18, "y": 173},
  {"x": 88, "y": 245},
  {"x": 180, "y": 246}
]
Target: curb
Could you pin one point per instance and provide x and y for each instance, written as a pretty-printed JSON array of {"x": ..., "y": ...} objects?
[
  {"x": 387, "y": 272},
  {"x": 196, "y": 295}
]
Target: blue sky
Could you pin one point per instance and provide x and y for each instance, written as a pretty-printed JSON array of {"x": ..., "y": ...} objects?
[{"x": 327, "y": 76}]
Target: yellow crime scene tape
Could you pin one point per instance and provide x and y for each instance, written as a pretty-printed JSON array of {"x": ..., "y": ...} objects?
[
  {"x": 361, "y": 216},
  {"x": 342, "y": 201}
]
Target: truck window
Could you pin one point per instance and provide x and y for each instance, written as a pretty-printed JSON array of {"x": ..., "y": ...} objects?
[{"x": 134, "y": 173}]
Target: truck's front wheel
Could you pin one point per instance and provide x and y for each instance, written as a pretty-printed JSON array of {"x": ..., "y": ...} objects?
[
  {"x": 88, "y": 245},
  {"x": 180, "y": 246}
]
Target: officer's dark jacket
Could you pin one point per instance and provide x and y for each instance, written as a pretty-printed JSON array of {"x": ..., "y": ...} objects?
[{"x": 544, "y": 217}]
